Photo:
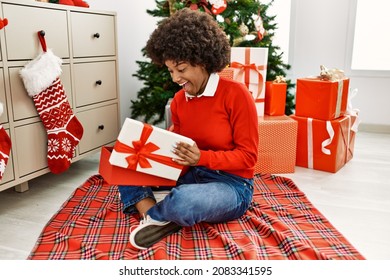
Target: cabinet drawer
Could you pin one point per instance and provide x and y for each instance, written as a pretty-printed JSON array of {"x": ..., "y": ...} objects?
[
  {"x": 4, "y": 116},
  {"x": 31, "y": 143},
  {"x": 9, "y": 169},
  {"x": 22, "y": 104},
  {"x": 100, "y": 127},
  {"x": 95, "y": 82},
  {"x": 93, "y": 35},
  {"x": 21, "y": 33}
]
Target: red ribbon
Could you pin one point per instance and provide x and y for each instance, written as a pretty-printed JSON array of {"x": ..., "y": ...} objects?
[
  {"x": 246, "y": 68},
  {"x": 201, "y": 3},
  {"x": 259, "y": 100},
  {"x": 142, "y": 151},
  {"x": 41, "y": 37}
]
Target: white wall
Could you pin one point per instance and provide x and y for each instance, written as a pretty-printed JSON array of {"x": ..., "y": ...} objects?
[
  {"x": 134, "y": 26},
  {"x": 319, "y": 35}
]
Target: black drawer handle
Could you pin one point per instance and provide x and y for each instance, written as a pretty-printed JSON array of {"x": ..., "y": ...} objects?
[
  {"x": 96, "y": 35},
  {"x": 99, "y": 82},
  {"x": 101, "y": 127}
]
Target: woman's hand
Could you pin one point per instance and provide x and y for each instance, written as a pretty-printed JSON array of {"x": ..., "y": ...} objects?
[{"x": 188, "y": 155}]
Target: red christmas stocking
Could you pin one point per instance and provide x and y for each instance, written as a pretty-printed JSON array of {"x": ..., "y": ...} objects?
[
  {"x": 66, "y": 2},
  {"x": 81, "y": 3},
  {"x": 64, "y": 131},
  {"x": 5, "y": 147}
]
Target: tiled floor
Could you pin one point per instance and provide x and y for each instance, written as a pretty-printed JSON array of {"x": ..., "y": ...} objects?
[{"x": 356, "y": 200}]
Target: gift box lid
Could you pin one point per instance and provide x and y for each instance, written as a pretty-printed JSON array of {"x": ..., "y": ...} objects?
[{"x": 148, "y": 149}]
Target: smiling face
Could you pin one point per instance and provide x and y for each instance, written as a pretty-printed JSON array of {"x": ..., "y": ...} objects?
[{"x": 193, "y": 79}]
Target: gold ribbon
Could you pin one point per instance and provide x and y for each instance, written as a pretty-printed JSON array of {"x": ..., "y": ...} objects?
[
  {"x": 331, "y": 74},
  {"x": 279, "y": 79}
]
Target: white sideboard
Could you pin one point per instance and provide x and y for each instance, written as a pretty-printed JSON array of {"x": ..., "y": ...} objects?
[{"x": 86, "y": 41}]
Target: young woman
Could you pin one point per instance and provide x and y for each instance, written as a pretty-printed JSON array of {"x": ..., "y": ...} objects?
[{"x": 218, "y": 114}]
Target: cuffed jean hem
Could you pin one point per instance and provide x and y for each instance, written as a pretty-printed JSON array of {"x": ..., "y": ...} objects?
[{"x": 141, "y": 193}]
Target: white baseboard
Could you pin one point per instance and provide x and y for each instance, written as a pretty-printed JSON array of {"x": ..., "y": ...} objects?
[{"x": 374, "y": 128}]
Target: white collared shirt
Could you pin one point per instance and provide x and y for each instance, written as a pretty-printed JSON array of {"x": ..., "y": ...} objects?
[{"x": 210, "y": 89}]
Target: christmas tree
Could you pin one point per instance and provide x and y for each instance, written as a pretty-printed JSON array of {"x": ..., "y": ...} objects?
[{"x": 245, "y": 22}]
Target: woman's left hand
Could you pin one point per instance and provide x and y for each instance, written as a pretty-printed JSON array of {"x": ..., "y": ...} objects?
[{"x": 188, "y": 155}]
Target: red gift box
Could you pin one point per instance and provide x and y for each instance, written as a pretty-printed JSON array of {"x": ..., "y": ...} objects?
[
  {"x": 121, "y": 176},
  {"x": 320, "y": 99},
  {"x": 325, "y": 145},
  {"x": 277, "y": 145},
  {"x": 275, "y": 98}
]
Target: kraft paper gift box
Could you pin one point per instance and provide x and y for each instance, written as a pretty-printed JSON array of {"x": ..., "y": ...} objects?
[
  {"x": 227, "y": 73},
  {"x": 275, "y": 98},
  {"x": 250, "y": 68},
  {"x": 277, "y": 144},
  {"x": 320, "y": 99},
  {"x": 115, "y": 175},
  {"x": 147, "y": 149},
  {"x": 325, "y": 145},
  {"x": 351, "y": 143}
]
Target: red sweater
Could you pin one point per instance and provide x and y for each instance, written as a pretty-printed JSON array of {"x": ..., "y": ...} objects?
[{"x": 224, "y": 126}]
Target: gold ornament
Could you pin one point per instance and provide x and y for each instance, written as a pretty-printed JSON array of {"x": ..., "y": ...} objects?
[
  {"x": 244, "y": 30},
  {"x": 171, "y": 4}
]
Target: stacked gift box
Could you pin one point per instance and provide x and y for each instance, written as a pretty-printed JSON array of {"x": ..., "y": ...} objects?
[
  {"x": 277, "y": 132},
  {"x": 249, "y": 66},
  {"x": 277, "y": 144},
  {"x": 326, "y": 131}
]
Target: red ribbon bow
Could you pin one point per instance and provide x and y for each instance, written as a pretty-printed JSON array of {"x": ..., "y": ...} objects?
[{"x": 141, "y": 151}]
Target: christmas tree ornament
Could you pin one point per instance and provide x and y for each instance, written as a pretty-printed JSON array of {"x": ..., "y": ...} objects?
[
  {"x": 259, "y": 27},
  {"x": 5, "y": 146},
  {"x": 199, "y": 4},
  {"x": 244, "y": 30},
  {"x": 218, "y": 6},
  {"x": 64, "y": 131}
]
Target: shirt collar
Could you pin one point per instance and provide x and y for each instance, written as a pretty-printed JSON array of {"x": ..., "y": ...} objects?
[{"x": 210, "y": 89}]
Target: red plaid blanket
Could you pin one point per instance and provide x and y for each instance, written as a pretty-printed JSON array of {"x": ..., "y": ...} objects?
[{"x": 281, "y": 223}]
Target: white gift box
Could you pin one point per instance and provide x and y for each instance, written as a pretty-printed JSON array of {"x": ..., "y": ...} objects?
[
  {"x": 250, "y": 68},
  {"x": 147, "y": 149},
  {"x": 168, "y": 114}
]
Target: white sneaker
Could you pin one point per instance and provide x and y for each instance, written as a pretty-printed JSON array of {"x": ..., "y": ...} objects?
[{"x": 150, "y": 232}]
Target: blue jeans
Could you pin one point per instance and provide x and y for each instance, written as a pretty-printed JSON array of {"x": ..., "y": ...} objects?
[{"x": 201, "y": 195}]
